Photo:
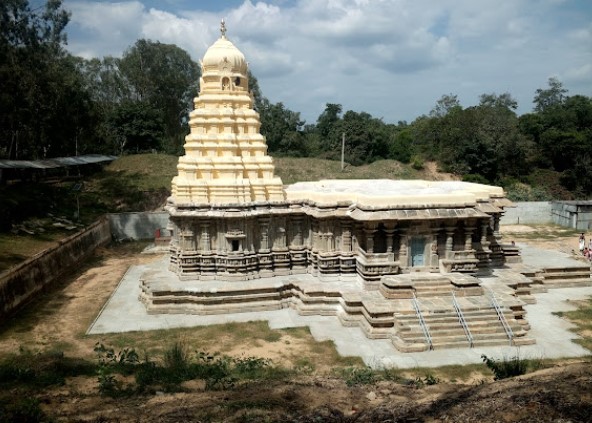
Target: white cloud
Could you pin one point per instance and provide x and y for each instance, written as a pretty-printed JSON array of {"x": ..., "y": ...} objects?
[{"x": 391, "y": 58}]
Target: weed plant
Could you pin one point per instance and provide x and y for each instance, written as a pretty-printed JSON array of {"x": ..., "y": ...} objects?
[
  {"x": 219, "y": 372},
  {"x": 508, "y": 367},
  {"x": 359, "y": 376}
]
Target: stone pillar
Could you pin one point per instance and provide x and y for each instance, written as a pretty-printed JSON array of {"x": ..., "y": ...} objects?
[
  {"x": 450, "y": 237},
  {"x": 484, "y": 229},
  {"x": 469, "y": 238},
  {"x": 314, "y": 227},
  {"x": 264, "y": 227},
  {"x": 496, "y": 225},
  {"x": 297, "y": 241},
  {"x": 434, "y": 249},
  {"x": 369, "y": 232},
  {"x": 188, "y": 241},
  {"x": 403, "y": 258},
  {"x": 205, "y": 236},
  {"x": 389, "y": 230},
  {"x": 346, "y": 237}
]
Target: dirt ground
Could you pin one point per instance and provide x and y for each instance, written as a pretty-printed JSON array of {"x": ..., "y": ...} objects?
[{"x": 58, "y": 321}]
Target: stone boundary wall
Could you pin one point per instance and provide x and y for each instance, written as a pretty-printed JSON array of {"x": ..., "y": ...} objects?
[
  {"x": 573, "y": 214},
  {"x": 21, "y": 283},
  {"x": 527, "y": 213},
  {"x": 137, "y": 226}
]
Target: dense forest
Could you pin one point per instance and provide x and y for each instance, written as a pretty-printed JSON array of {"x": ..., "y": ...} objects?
[{"x": 55, "y": 104}]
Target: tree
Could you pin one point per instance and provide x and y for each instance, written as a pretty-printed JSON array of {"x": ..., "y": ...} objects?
[
  {"x": 282, "y": 129},
  {"x": 328, "y": 119},
  {"x": 164, "y": 77},
  {"x": 445, "y": 105},
  {"x": 38, "y": 78},
  {"x": 138, "y": 126},
  {"x": 401, "y": 147},
  {"x": 551, "y": 97}
]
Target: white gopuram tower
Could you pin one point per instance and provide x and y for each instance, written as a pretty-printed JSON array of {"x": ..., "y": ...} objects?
[{"x": 225, "y": 159}]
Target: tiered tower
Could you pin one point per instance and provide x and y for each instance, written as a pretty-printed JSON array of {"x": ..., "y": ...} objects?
[{"x": 225, "y": 159}]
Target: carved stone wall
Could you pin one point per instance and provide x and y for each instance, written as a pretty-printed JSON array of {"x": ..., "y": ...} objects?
[{"x": 248, "y": 243}]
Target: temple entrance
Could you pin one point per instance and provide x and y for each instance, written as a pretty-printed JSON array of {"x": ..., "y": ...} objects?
[{"x": 417, "y": 251}]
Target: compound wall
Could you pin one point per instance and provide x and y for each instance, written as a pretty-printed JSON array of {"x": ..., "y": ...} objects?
[
  {"x": 21, "y": 283},
  {"x": 137, "y": 226},
  {"x": 528, "y": 213}
]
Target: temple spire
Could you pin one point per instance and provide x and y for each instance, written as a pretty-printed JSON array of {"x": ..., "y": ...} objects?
[{"x": 223, "y": 28}]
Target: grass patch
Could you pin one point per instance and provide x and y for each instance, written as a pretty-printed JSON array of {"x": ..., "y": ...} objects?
[
  {"x": 41, "y": 369},
  {"x": 15, "y": 249},
  {"x": 582, "y": 318},
  {"x": 543, "y": 232},
  {"x": 293, "y": 170}
]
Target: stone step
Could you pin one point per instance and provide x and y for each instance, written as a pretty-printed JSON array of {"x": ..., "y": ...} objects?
[
  {"x": 571, "y": 275},
  {"x": 568, "y": 283},
  {"x": 582, "y": 268}
]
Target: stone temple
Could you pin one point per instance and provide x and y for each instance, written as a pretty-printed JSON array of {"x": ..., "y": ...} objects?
[{"x": 396, "y": 258}]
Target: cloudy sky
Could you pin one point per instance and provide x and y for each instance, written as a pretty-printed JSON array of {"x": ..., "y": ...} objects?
[{"x": 391, "y": 58}]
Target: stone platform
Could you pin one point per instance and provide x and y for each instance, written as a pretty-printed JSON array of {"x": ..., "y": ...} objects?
[{"x": 123, "y": 312}]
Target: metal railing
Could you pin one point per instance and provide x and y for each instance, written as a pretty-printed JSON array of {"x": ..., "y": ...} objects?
[
  {"x": 501, "y": 317},
  {"x": 422, "y": 323},
  {"x": 462, "y": 321}
]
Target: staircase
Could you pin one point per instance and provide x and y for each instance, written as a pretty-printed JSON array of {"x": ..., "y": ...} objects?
[
  {"x": 565, "y": 277},
  {"x": 446, "y": 330}
]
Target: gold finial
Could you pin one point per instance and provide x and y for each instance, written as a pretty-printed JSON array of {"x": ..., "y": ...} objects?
[{"x": 223, "y": 28}]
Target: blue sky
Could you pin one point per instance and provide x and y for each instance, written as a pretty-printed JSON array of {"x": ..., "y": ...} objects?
[{"x": 391, "y": 58}]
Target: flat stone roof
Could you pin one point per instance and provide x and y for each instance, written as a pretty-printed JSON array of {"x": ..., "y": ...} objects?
[{"x": 394, "y": 193}]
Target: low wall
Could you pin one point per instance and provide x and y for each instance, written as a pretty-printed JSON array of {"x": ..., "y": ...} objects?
[
  {"x": 19, "y": 284},
  {"x": 573, "y": 214},
  {"x": 527, "y": 213},
  {"x": 137, "y": 226}
]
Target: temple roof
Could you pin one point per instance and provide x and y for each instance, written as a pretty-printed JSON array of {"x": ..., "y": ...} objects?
[
  {"x": 394, "y": 194},
  {"x": 223, "y": 53}
]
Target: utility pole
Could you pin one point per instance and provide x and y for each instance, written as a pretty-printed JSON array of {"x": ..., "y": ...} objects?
[{"x": 342, "y": 150}]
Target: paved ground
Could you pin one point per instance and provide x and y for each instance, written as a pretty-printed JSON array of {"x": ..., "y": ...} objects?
[{"x": 124, "y": 312}]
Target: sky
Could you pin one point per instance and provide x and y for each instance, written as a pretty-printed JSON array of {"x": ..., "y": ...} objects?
[{"x": 391, "y": 58}]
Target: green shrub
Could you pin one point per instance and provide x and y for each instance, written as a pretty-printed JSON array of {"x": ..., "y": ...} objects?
[
  {"x": 359, "y": 376},
  {"x": 251, "y": 367},
  {"x": 506, "y": 368},
  {"x": 476, "y": 178},
  {"x": 417, "y": 162}
]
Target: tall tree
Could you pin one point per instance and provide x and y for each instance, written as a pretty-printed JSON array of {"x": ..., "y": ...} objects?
[
  {"x": 164, "y": 76},
  {"x": 550, "y": 97},
  {"x": 37, "y": 78},
  {"x": 282, "y": 129},
  {"x": 445, "y": 105}
]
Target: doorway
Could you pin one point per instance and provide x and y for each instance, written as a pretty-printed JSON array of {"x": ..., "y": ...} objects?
[{"x": 417, "y": 251}]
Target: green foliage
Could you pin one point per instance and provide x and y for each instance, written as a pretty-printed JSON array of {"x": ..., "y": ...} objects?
[
  {"x": 523, "y": 192},
  {"x": 401, "y": 148},
  {"x": 417, "y": 163},
  {"x": 40, "y": 369},
  {"x": 475, "y": 177},
  {"x": 430, "y": 379},
  {"x": 23, "y": 410},
  {"x": 358, "y": 376},
  {"x": 506, "y": 368},
  {"x": 45, "y": 108},
  {"x": 219, "y": 372},
  {"x": 282, "y": 129}
]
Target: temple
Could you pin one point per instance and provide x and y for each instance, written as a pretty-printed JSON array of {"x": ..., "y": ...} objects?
[{"x": 364, "y": 250}]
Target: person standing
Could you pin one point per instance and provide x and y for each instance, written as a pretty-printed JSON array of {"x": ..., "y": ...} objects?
[{"x": 582, "y": 243}]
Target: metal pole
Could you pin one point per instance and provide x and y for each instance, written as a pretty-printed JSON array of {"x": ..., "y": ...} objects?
[{"x": 342, "y": 150}]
